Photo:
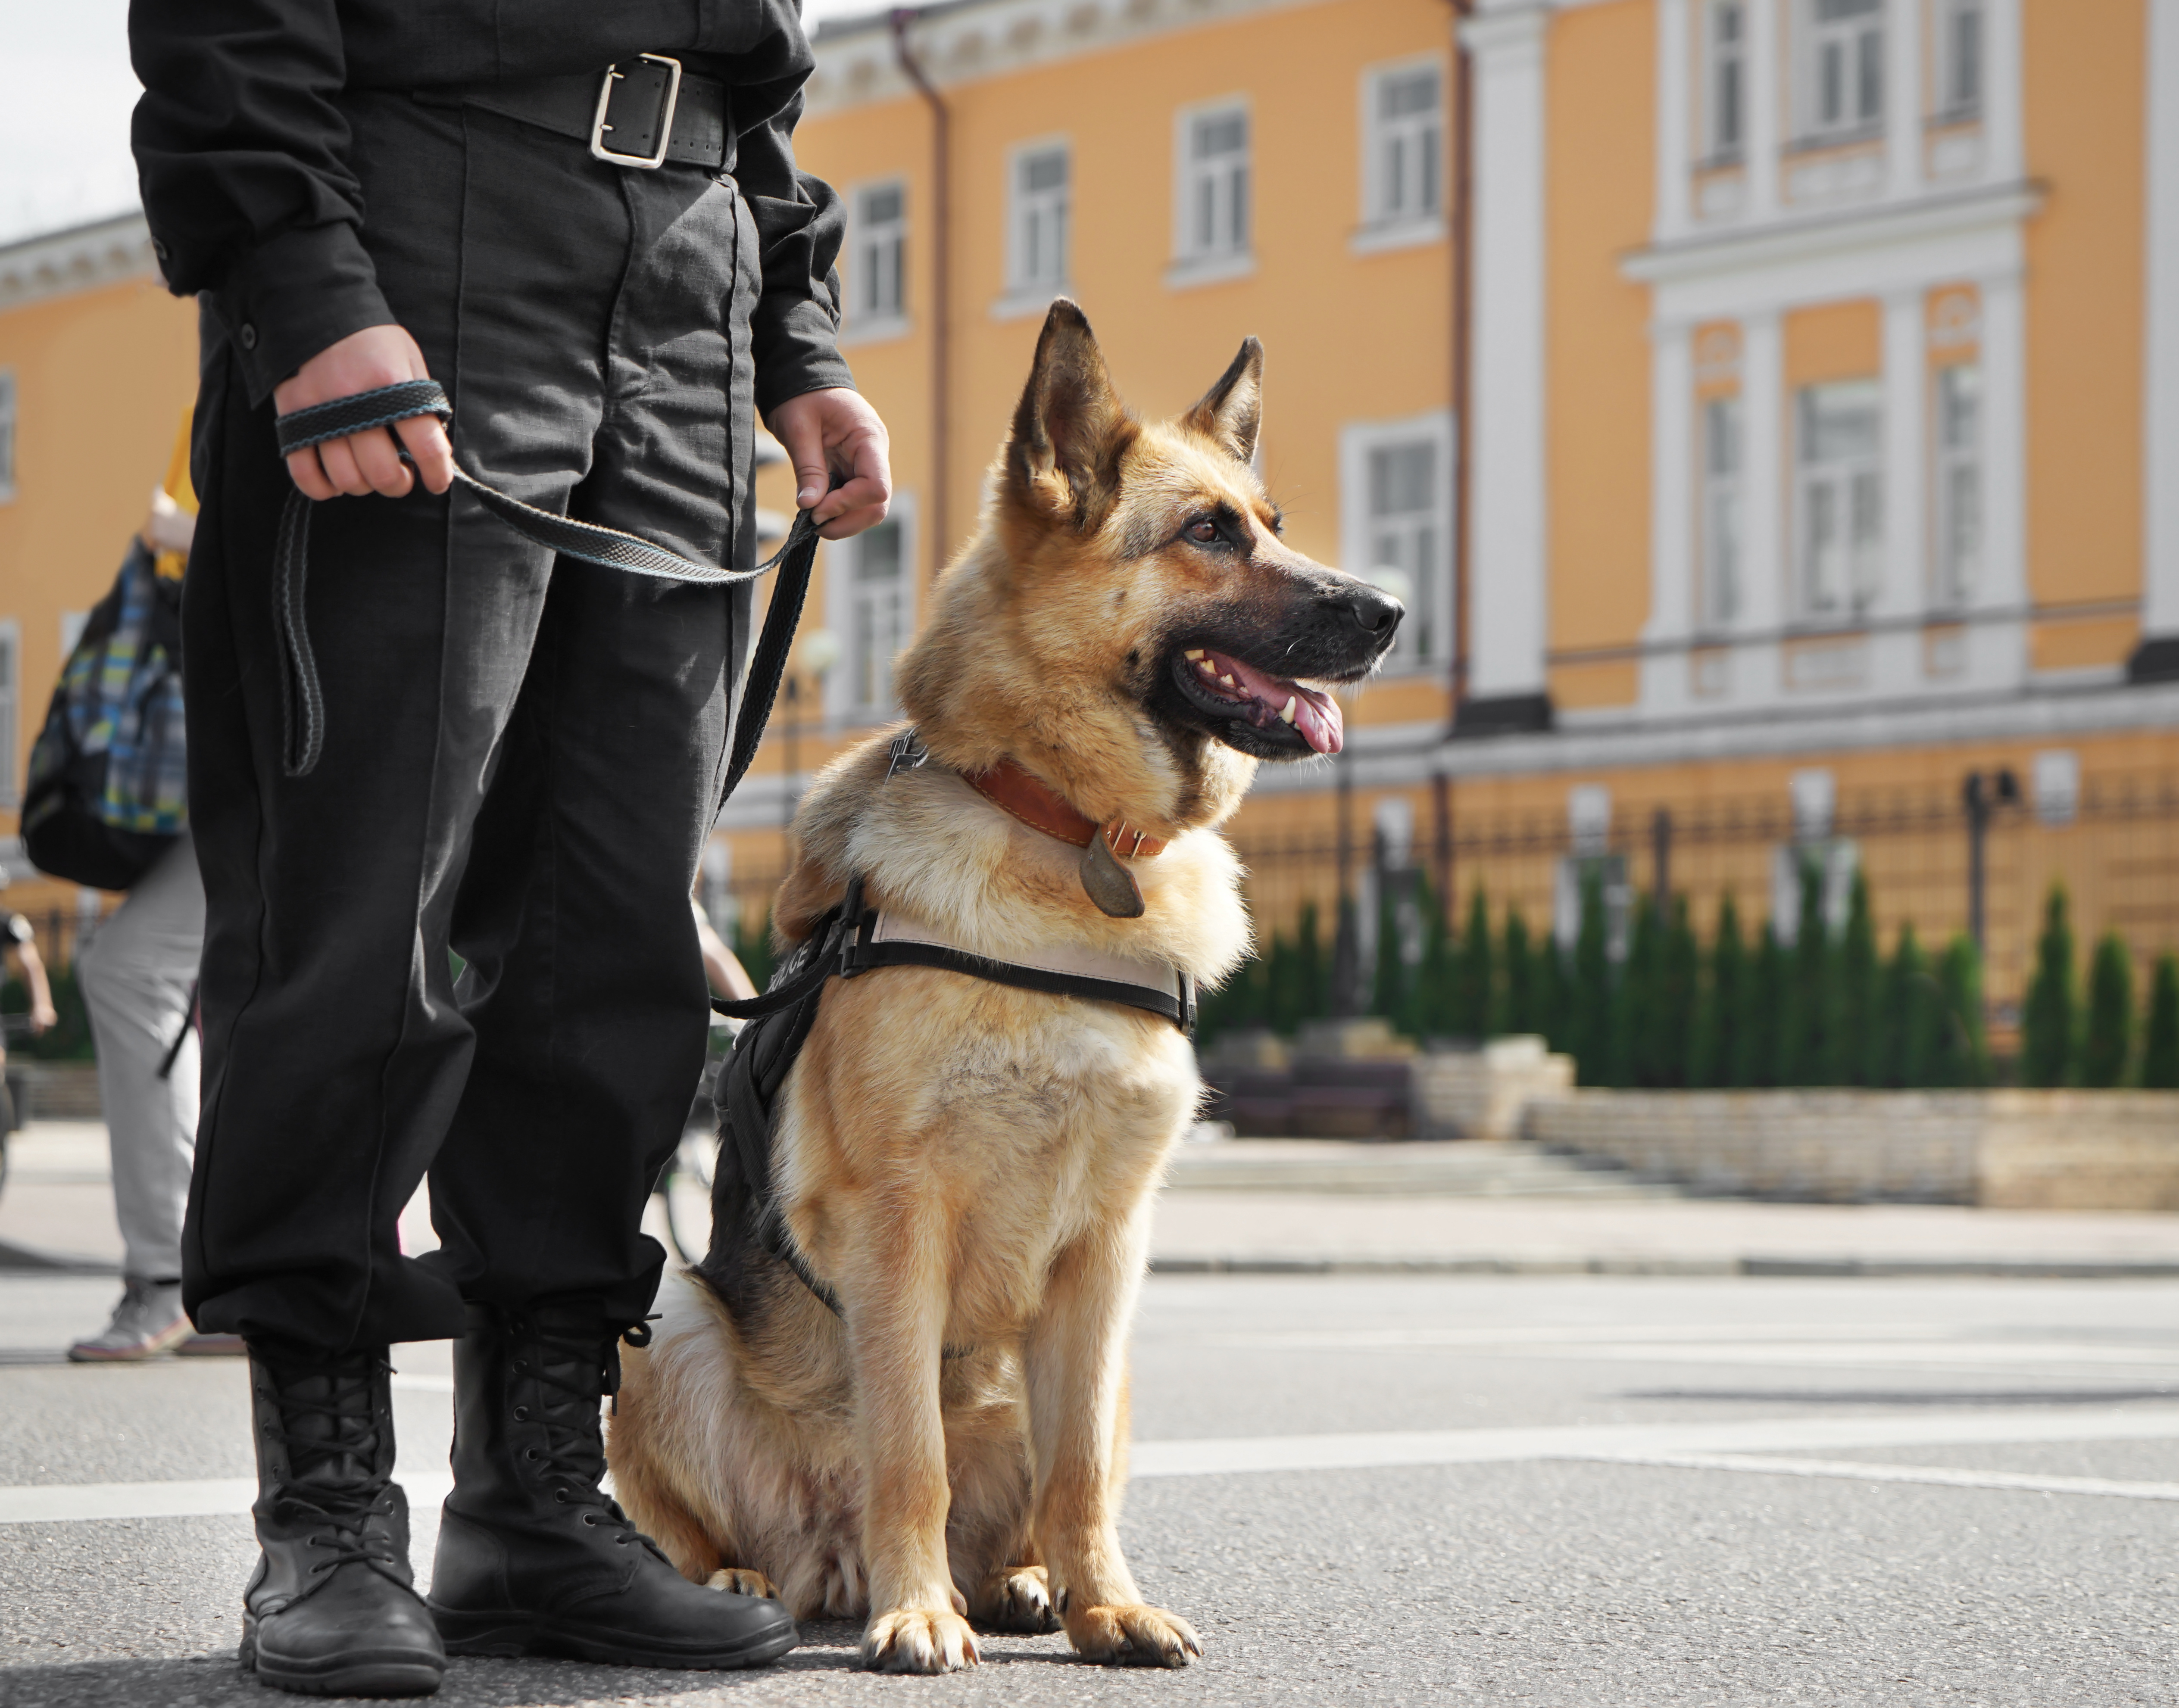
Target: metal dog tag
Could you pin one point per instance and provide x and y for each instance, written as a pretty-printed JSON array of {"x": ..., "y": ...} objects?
[{"x": 1109, "y": 883}]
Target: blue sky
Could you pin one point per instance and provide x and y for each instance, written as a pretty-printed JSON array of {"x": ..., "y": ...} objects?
[{"x": 65, "y": 93}]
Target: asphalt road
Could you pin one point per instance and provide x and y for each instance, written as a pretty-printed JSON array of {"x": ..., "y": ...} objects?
[{"x": 1436, "y": 1490}]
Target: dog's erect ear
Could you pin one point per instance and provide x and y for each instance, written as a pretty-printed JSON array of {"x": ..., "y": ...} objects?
[
  {"x": 1232, "y": 410},
  {"x": 1070, "y": 425}
]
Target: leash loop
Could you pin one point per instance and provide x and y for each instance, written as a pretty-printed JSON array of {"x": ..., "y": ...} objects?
[{"x": 303, "y": 695}]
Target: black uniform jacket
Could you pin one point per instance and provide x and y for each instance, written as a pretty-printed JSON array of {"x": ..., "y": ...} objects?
[{"x": 242, "y": 150}]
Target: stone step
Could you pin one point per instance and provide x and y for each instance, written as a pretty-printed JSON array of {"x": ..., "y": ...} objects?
[{"x": 1465, "y": 1168}]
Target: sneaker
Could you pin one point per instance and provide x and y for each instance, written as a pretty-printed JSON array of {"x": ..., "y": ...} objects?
[{"x": 148, "y": 1320}]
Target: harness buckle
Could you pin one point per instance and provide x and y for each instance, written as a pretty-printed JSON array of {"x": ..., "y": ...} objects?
[
  {"x": 906, "y": 752},
  {"x": 666, "y": 106}
]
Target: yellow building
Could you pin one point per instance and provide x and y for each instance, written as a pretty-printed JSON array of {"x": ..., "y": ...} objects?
[
  {"x": 1824, "y": 444},
  {"x": 98, "y": 365}
]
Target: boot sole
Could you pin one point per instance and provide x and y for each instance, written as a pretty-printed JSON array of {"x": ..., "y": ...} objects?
[
  {"x": 396, "y": 1674},
  {"x": 513, "y": 1635}
]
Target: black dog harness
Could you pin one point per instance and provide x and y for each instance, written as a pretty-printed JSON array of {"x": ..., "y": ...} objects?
[{"x": 850, "y": 940}]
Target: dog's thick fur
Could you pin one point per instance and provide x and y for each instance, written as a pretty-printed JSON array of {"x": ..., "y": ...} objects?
[{"x": 971, "y": 1166}]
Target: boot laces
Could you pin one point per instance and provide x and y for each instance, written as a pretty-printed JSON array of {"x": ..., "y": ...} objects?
[
  {"x": 333, "y": 1471},
  {"x": 581, "y": 1368}
]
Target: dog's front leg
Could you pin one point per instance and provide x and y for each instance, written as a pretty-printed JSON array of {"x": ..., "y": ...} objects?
[
  {"x": 1077, "y": 1354},
  {"x": 896, "y": 1325}
]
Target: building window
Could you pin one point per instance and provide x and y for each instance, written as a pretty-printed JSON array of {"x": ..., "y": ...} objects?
[
  {"x": 1403, "y": 145},
  {"x": 876, "y": 252},
  {"x": 7, "y": 435},
  {"x": 1959, "y": 58},
  {"x": 1398, "y": 527},
  {"x": 11, "y": 675},
  {"x": 872, "y": 595},
  {"x": 1038, "y": 231},
  {"x": 1214, "y": 184},
  {"x": 1958, "y": 482},
  {"x": 1843, "y": 75},
  {"x": 1727, "y": 80},
  {"x": 1840, "y": 497},
  {"x": 1720, "y": 512}
]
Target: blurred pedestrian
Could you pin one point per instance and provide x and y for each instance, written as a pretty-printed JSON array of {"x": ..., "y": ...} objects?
[
  {"x": 138, "y": 975},
  {"x": 18, "y": 937}
]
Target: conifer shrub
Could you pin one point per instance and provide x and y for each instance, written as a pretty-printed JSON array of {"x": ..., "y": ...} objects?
[
  {"x": 1712, "y": 1047},
  {"x": 1429, "y": 992},
  {"x": 1636, "y": 995},
  {"x": 1671, "y": 1016},
  {"x": 1475, "y": 987},
  {"x": 1588, "y": 999},
  {"x": 2047, "y": 1020},
  {"x": 1755, "y": 1053},
  {"x": 1907, "y": 1011},
  {"x": 1554, "y": 994},
  {"x": 2160, "y": 1033},
  {"x": 2110, "y": 1038},
  {"x": 753, "y": 949},
  {"x": 1959, "y": 1054},
  {"x": 1805, "y": 1013},
  {"x": 1388, "y": 988},
  {"x": 1522, "y": 1013},
  {"x": 1855, "y": 1037}
]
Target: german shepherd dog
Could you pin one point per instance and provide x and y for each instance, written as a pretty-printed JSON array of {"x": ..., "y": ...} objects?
[{"x": 967, "y": 1166}]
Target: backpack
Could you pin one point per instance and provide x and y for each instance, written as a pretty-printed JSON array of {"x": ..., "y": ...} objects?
[{"x": 107, "y": 792}]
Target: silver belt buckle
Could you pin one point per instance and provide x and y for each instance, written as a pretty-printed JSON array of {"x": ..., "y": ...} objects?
[{"x": 643, "y": 162}]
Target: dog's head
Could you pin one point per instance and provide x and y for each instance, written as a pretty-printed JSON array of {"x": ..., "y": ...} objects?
[{"x": 1129, "y": 622}]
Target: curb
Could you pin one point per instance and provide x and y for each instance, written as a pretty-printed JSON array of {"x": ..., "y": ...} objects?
[{"x": 1847, "y": 1268}]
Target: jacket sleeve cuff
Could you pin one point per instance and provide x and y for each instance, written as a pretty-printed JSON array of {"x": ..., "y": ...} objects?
[
  {"x": 796, "y": 351},
  {"x": 295, "y": 295}
]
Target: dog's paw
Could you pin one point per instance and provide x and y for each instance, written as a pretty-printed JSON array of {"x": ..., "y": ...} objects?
[
  {"x": 740, "y": 1580},
  {"x": 1132, "y": 1636},
  {"x": 919, "y": 1640},
  {"x": 1017, "y": 1598}
]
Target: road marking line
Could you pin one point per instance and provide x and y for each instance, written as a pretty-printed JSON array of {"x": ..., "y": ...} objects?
[
  {"x": 49, "y": 1504},
  {"x": 1944, "y": 1476}
]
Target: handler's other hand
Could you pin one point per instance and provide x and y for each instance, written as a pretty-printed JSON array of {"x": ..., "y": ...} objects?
[
  {"x": 834, "y": 431},
  {"x": 366, "y": 462}
]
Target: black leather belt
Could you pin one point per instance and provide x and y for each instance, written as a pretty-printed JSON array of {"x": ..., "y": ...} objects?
[{"x": 641, "y": 113}]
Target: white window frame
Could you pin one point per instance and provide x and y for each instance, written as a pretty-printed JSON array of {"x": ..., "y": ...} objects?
[
  {"x": 1956, "y": 106},
  {"x": 1724, "y": 57},
  {"x": 843, "y": 599},
  {"x": 1959, "y": 487},
  {"x": 11, "y": 704},
  {"x": 1721, "y": 458},
  {"x": 1193, "y": 261},
  {"x": 1844, "y": 488},
  {"x": 861, "y": 320},
  {"x": 1425, "y": 640},
  {"x": 10, "y": 433},
  {"x": 1816, "y": 38},
  {"x": 1025, "y": 207},
  {"x": 1424, "y": 135}
]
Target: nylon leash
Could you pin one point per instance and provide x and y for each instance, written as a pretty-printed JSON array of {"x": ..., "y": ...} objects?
[{"x": 304, "y": 696}]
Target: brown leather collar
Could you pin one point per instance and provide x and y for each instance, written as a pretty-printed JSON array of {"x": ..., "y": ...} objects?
[{"x": 1014, "y": 791}]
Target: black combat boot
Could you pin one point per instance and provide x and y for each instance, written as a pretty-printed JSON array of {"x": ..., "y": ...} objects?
[
  {"x": 331, "y": 1610},
  {"x": 534, "y": 1558}
]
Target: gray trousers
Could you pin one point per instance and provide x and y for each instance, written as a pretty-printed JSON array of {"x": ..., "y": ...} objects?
[{"x": 136, "y": 977}]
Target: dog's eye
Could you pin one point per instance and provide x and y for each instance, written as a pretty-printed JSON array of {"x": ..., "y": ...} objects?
[{"x": 1205, "y": 532}]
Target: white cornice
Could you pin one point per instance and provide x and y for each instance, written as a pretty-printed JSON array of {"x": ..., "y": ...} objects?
[
  {"x": 1830, "y": 232},
  {"x": 972, "y": 40},
  {"x": 83, "y": 259}
]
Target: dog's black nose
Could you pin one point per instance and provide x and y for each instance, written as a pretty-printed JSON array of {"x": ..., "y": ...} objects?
[{"x": 1376, "y": 610}]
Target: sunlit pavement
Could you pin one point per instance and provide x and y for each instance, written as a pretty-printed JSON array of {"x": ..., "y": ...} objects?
[{"x": 1562, "y": 1489}]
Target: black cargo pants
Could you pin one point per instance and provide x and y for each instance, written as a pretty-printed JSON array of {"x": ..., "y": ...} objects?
[{"x": 523, "y": 756}]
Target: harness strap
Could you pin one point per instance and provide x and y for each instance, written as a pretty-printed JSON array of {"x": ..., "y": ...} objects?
[{"x": 609, "y": 547}]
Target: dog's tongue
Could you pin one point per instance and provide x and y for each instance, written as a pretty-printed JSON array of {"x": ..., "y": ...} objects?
[{"x": 1316, "y": 713}]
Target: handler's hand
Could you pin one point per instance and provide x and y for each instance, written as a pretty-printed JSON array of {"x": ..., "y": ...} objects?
[
  {"x": 835, "y": 430},
  {"x": 366, "y": 462}
]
